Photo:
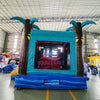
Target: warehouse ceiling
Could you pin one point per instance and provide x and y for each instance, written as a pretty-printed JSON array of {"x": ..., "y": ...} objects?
[{"x": 51, "y": 14}]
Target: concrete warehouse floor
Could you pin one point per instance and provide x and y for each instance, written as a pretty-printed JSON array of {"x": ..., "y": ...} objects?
[{"x": 7, "y": 92}]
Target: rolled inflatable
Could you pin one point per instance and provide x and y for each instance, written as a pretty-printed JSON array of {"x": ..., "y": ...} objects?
[
  {"x": 9, "y": 68},
  {"x": 15, "y": 72}
]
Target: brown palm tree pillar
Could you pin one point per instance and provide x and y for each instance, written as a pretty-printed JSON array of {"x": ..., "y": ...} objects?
[
  {"x": 80, "y": 68},
  {"x": 24, "y": 48}
]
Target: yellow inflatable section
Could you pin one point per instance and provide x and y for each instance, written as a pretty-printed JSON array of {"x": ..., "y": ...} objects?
[
  {"x": 93, "y": 60},
  {"x": 15, "y": 72}
]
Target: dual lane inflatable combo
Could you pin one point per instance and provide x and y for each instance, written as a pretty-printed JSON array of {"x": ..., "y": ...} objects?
[{"x": 50, "y": 59}]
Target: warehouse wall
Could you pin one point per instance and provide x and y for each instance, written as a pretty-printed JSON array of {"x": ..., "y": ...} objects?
[
  {"x": 19, "y": 42},
  {"x": 98, "y": 37},
  {"x": 10, "y": 42},
  {"x": 91, "y": 44},
  {"x": 2, "y": 39}
]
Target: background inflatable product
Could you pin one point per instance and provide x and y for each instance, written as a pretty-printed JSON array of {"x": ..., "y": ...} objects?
[
  {"x": 1, "y": 56},
  {"x": 9, "y": 68},
  {"x": 1, "y": 67},
  {"x": 93, "y": 70},
  {"x": 94, "y": 60},
  {"x": 15, "y": 72}
]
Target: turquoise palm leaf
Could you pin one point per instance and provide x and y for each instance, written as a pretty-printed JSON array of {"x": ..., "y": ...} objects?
[
  {"x": 87, "y": 23},
  {"x": 73, "y": 23},
  {"x": 33, "y": 20},
  {"x": 69, "y": 29},
  {"x": 19, "y": 19},
  {"x": 36, "y": 27},
  {"x": 22, "y": 29}
]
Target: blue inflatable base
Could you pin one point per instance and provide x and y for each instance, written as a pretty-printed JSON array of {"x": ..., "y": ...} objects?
[
  {"x": 15, "y": 76},
  {"x": 50, "y": 81}
]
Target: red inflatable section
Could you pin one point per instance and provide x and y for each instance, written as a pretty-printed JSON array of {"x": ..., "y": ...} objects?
[{"x": 50, "y": 63}]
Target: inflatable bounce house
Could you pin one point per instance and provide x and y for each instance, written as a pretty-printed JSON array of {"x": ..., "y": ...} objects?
[
  {"x": 94, "y": 60},
  {"x": 50, "y": 59}
]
